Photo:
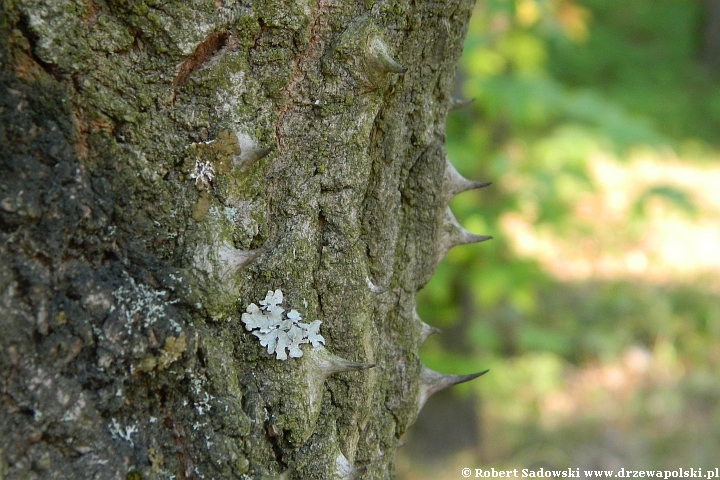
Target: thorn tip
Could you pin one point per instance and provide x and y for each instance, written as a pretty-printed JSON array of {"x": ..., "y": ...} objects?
[
  {"x": 432, "y": 382},
  {"x": 375, "y": 288},
  {"x": 381, "y": 58},
  {"x": 328, "y": 363},
  {"x": 457, "y": 103},
  {"x": 454, "y": 183},
  {"x": 453, "y": 234},
  {"x": 425, "y": 329}
]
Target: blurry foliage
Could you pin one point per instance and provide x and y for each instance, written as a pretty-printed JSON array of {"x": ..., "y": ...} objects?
[
  {"x": 672, "y": 195},
  {"x": 554, "y": 82}
]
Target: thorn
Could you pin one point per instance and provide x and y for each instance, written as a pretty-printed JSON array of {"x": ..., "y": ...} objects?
[
  {"x": 380, "y": 58},
  {"x": 457, "y": 104},
  {"x": 453, "y": 235},
  {"x": 224, "y": 260},
  {"x": 261, "y": 153},
  {"x": 375, "y": 288},
  {"x": 428, "y": 330},
  {"x": 454, "y": 183},
  {"x": 425, "y": 329},
  {"x": 249, "y": 157},
  {"x": 235, "y": 259},
  {"x": 329, "y": 364},
  {"x": 432, "y": 382},
  {"x": 316, "y": 365},
  {"x": 457, "y": 234},
  {"x": 344, "y": 470}
]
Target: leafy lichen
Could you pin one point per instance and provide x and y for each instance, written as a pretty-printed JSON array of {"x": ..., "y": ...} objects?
[{"x": 280, "y": 331}]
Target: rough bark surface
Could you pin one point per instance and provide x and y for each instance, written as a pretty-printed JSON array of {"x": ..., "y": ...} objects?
[{"x": 163, "y": 165}]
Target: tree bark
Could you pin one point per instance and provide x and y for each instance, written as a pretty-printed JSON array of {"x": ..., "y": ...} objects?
[{"x": 164, "y": 165}]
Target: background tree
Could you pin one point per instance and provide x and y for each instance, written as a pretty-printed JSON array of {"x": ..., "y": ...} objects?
[{"x": 164, "y": 164}]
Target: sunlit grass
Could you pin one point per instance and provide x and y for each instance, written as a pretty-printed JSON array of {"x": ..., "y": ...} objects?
[{"x": 677, "y": 237}]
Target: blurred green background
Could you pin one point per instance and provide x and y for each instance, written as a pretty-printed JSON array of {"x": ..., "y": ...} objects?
[{"x": 596, "y": 307}]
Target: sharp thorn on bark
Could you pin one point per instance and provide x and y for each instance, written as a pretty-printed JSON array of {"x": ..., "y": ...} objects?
[
  {"x": 432, "y": 382},
  {"x": 329, "y": 363},
  {"x": 375, "y": 288},
  {"x": 428, "y": 330},
  {"x": 380, "y": 58},
  {"x": 457, "y": 103},
  {"x": 344, "y": 470},
  {"x": 261, "y": 153},
  {"x": 454, "y": 183},
  {"x": 237, "y": 259},
  {"x": 224, "y": 260},
  {"x": 315, "y": 366},
  {"x": 246, "y": 159},
  {"x": 425, "y": 329},
  {"x": 457, "y": 235},
  {"x": 453, "y": 235}
]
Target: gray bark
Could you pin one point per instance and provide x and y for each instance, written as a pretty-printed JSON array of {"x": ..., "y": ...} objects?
[{"x": 125, "y": 266}]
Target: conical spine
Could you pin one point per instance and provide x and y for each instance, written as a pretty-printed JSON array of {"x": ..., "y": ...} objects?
[
  {"x": 236, "y": 259},
  {"x": 328, "y": 363},
  {"x": 223, "y": 259},
  {"x": 375, "y": 288},
  {"x": 256, "y": 154},
  {"x": 432, "y": 382},
  {"x": 344, "y": 470},
  {"x": 453, "y": 235},
  {"x": 380, "y": 58},
  {"x": 454, "y": 183},
  {"x": 457, "y": 104},
  {"x": 425, "y": 329},
  {"x": 316, "y": 366}
]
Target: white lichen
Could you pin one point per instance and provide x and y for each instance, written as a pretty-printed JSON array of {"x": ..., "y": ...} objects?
[
  {"x": 203, "y": 173},
  {"x": 280, "y": 331},
  {"x": 123, "y": 433},
  {"x": 137, "y": 300},
  {"x": 230, "y": 214}
]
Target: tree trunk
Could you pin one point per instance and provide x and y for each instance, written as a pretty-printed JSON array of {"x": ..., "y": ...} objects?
[
  {"x": 710, "y": 43},
  {"x": 164, "y": 165}
]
